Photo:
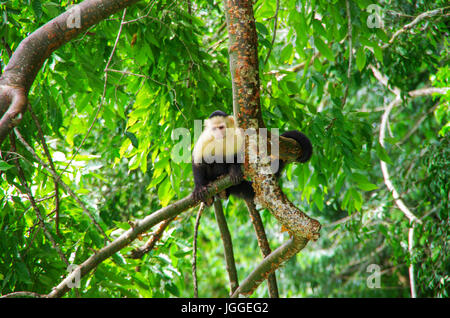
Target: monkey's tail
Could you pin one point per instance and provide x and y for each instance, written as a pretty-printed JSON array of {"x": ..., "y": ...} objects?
[{"x": 303, "y": 141}]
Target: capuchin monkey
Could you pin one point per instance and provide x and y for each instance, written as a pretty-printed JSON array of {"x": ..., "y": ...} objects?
[{"x": 219, "y": 151}]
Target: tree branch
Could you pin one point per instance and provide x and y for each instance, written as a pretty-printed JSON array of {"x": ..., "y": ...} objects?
[
  {"x": 227, "y": 245},
  {"x": 398, "y": 201},
  {"x": 140, "y": 226},
  {"x": 58, "y": 179},
  {"x": 33, "y": 203},
  {"x": 50, "y": 162},
  {"x": 412, "y": 24},
  {"x": 32, "y": 52},
  {"x": 263, "y": 245},
  {"x": 246, "y": 106},
  {"x": 271, "y": 262},
  {"x": 194, "y": 248},
  {"x": 274, "y": 32},
  {"x": 150, "y": 244},
  {"x": 350, "y": 51}
]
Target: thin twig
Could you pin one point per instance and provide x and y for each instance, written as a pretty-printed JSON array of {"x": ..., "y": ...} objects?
[
  {"x": 65, "y": 186},
  {"x": 417, "y": 124},
  {"x": 127, "y": 73},
  {"x": 350, "y": 51},
  {"x": 194, "y": 249},
  {"x": 30, "y": 196},
  {"x": 51, "y": 164},
  {"x": 150, "y": 244},
  {"x": 274, "y": 32},
  {"x": 227, "y": 245},
  {"x": 7, "y": 47},
  {"x": 100, "y": 106},
  {"x": 411, "y": 25}
]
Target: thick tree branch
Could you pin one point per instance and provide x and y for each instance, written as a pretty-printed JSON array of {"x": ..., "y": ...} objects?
[
  {"x": 263, "y": 244},
  {"x": 22, "y": 294},
  {"x": 244, "y": 70},
  {"x": 271, "y": 262},
  {"x": 139, "y": 226},
  {"x": 32, "y": 52}
]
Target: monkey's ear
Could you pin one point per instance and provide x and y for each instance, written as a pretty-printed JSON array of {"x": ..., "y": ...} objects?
[{"x": 230, "y": 121}]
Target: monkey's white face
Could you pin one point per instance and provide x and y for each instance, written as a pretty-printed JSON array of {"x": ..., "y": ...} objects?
[
  {"x": 220, "y": 139},
  {"x": 219, "y": 131},
  {"x": 217, "y": 126}
]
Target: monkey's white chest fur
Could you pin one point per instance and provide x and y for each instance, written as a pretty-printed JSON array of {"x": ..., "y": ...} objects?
[{"x": 209, "y": 149}]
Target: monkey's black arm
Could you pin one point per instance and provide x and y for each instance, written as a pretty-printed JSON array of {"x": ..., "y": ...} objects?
[
  {"x": 235, "y": 172},
  {"x": 200, "y": 181}
]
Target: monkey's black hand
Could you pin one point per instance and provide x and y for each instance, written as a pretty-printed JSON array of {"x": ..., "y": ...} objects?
[
  {"x": 200, "y": 193},
  {"x": 236, "y": 174}
]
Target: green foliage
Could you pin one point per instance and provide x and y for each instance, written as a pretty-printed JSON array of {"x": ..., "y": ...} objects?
[{"x": 112, "y": 146}]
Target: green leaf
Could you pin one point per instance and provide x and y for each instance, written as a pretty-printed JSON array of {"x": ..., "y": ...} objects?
[
  {"x": 323, "y": 48},
  {"x": 382, "y": 154},
  {"x": 122, "y": 225},
  {"x": 286, "y": 53},
  {"x": 378, "y": 53},
  {"x": 301, "y": 29},
  {"x": 165, "y": 193},
  {"x": 5, "y": 166},
  {"x": 340, "y": 182},
  {"x": 362, "y": 182},
  {"x": 133, "y": 139},
  {"x": 357, "y": 199},
  {"x": 360, "y": 58},
  {"x": 318, "y": 199},
  {"x": 261, "y": 28},
  {"x": 37, "y": 8},
  {"x": 318, "y": 28}
]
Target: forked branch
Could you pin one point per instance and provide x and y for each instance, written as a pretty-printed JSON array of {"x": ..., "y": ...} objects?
[{"x": 244, "y": 68}]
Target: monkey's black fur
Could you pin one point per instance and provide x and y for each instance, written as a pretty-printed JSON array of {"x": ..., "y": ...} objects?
[
  {"x": 218, "y": 113},
  {"x": 204, "y": 173}
]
